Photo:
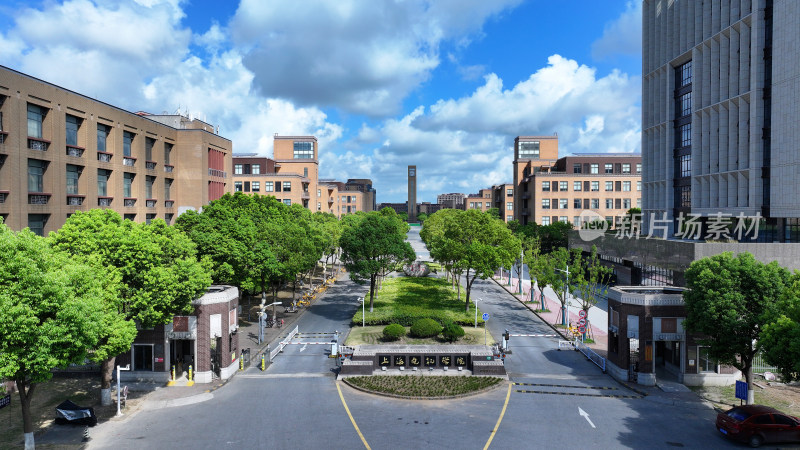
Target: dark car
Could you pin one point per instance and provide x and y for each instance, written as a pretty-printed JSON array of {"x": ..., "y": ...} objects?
[{"x": 757, "y": 424}]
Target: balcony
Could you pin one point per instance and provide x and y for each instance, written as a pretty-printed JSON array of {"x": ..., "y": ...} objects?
[
  {"x": 38, "y": 198},
  {"x": 169, "y": 203},
  {"x": 305, "y": 196},
  {"x": 217, "y": 173},
  {"x": 75, "y": 151},
  {"x": 150, "y": 165},
  {"x": 168, "y": 168},
  {"x": 150, "y": 202},
  {"x": 104, "y": 156},
  {"x": 330, "y": 200},
  {"x": 38, "y": 144},
  {"x": 129, "y": 202},
  {"x": 75, "y": 199},
  {"x": 128, "y": 161},
  {"x": 3, "y": 195},
  {"x": 104, "y": 201},
  {"x": 524, "y": 212}
]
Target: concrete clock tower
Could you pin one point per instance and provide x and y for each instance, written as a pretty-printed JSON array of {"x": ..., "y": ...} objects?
[{"x": 412, "y": 194}]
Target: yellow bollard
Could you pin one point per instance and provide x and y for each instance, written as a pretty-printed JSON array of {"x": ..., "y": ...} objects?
[
  {"x": 263, "y": 363},
  {"x": 173, "y": 372},
  {"x": 190, "y": 373},
  {"x": 241, "y": 362}
]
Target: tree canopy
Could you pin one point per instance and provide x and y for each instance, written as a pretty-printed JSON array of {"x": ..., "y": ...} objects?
[{"x": 780, "y": 339}]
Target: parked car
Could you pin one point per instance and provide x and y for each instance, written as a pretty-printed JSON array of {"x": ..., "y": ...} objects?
[{"x": 757, "y": 424}]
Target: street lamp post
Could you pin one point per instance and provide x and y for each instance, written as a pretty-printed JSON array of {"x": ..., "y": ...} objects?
[
  {"x": 521, "y": 263},
  {"x": 363, "y": 302},
  {"x": 119, "y": 368},
  {"x": 567, "y": 293},
  {"x": 476, "y": 311}
]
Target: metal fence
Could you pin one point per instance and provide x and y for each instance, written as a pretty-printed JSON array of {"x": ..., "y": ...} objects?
[
  {"x": 591, "y": 355},
  {"x": 760, "y": 366}
]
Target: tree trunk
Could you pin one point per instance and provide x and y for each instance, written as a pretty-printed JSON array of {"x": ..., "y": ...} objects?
[
  {"x": 294, "y": 288},
  {"x": 25, "y": 393},
  {"x": 371, "y": 290},
  {"x": 466, "y": 296},
  {"x": 748, "y": 377},
  {"x": 106, "y": 371}
]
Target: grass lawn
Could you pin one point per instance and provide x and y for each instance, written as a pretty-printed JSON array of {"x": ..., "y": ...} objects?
[
  {"x": 403, "y": 300},
  {"x": 781, "y": 397},
  {"x": 374, "y": 335},
  {"x": 421, "y": 386}
]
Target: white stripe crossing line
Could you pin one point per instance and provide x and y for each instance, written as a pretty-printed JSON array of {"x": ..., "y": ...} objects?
[
  {"x": 533, "y": 335},
  {"x": 285, "y": 375},
  {"x": 309, "y": 343}
]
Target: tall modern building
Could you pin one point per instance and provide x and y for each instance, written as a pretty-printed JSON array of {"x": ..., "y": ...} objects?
[
  {"x": 720, "y": 113},
  {"x": 412, "y": 193},
  {"x": 62, "y": 152}
]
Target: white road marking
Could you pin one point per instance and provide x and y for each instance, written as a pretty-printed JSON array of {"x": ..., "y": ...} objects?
[
  {"x": 585, "y": 416},
  {"x": 303, "y": 347}
]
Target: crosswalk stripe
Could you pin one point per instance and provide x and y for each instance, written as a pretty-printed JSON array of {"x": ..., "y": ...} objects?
[{"x": 578, "y": 394}]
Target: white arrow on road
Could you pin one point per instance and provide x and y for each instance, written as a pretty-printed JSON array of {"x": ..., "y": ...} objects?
[
  {"x": 586, "y": 416},
  {"x": 305, "y": 345}
]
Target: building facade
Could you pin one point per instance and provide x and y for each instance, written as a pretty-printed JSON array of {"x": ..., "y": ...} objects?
[
  {"x": 719, "y": 114},
  {"x": 62, "y": 152},
  {"x": 503, "y": 200},
  {"x": 453, "y": 200}
]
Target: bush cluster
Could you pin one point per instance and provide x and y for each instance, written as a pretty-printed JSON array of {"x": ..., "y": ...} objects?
[
  {"x": 425, "y": 328},
  {"x": 452, "y": 332},
  {"x": 393, "y": 332}
]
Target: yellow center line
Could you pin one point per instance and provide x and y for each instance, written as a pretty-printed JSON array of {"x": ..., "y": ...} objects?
[
  {"x": 354, "y": 420},
  {"x": 499, "y": 419}
]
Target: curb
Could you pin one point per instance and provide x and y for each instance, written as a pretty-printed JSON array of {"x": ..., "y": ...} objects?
[{"x": 560, "y": 333}]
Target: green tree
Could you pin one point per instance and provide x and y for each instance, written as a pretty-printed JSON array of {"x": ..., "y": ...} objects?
[
  {"x": 422, "y": 217},
  {"x": 552, "y": 269},
  {"x": 591, "y": 279},
  {"x": 372, "y": 245},
  {"x": 730, "y": 300},
  {"x": 780, "y": 339},
  {"x": 157, "y": 275},
  {"x": 494, "y": 212},
  {"x": 51, "y": 313},
  {"x": 331, "y": 231},
  {"x": 441, "y": 249}
]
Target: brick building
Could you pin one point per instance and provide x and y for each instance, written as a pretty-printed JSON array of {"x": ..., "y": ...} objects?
[{"x": 62, "y": 152}]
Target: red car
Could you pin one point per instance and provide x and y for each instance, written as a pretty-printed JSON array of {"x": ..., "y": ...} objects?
[{"x": 757, "y": 424}]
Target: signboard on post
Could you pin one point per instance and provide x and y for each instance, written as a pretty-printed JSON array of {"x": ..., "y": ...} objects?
[
  {"x": 486, "y": 316},
  {"x": 741, "y": 390}
]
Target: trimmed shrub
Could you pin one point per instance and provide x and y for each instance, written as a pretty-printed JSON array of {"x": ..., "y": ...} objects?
[
  {"x": 425, "y": 328},
  {"x": 452, "y": 332},
  {"x": 393, "y": 332}
]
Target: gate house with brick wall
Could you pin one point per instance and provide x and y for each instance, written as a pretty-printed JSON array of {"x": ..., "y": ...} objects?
[{"x": 207, "y": 340}]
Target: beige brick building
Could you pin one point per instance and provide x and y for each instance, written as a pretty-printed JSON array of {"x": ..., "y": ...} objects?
[
  {"x": 62, "y": 152},
  {"x": 293, "y": 178},
  {"x": 548, "y": 190}
]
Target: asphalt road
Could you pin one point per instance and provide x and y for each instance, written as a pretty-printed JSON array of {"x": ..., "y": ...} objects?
[{"x": 296, "y": 403}]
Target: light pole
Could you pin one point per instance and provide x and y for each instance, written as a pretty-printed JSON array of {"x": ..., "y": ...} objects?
[
  {"x": 363, "y": 302},
  {"x": 119, "y": 368},
  {"x": 476, "y": 311},
  {"x": 565, "y": 308},
  {"x": 521, "y": 262}
]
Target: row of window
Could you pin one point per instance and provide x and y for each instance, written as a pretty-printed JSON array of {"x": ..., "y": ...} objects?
[
  {"x": 587, "y": 203},
  {"x": 269, "y": 186},
  {"x": 72, "y": 125},
  {"x": 37, "y": 222},
  {"x": 563, "y": 186},
  {"x": 624, "y": 168},
  {"x": 247, "y": 169}
]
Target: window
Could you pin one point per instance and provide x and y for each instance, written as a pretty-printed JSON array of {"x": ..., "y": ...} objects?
[
  {"x": 626, "y": 204},
  {"x": 685, "y": 104},
  {"x": 127, "y": 140},
  {"x": 287, "y": 186},
  {"x": 247, "y": 186},
  {"x": 683, "y": 74},
  {"x": 576, "y": 203},
  {"x": 609, "y": 168},
  {"x": 287, "y": 202},
  {"x": 127, "y": 183},
  {"x": 780, "y": 419},
  {"x": 609, "y": 203},
  {"x": 529, "y": 149},
  {"x": 626, "y": 168},
  {"x": 509, "y": 206},
  {"x": 148, "y": 186},
  {"x": 576, "y": 221},
  {"x": 638, "y": 202},
  {"x": 319, "y": 192},
  {"x": 256, "y": 169},
  {"x": 545, "y": 203},
  {"x": 277, "y": 186},
  {"x": 563, "y": 203},
  {"x": 37, "y": 222},
  {"x": 576, "y": 168},
  {"x": 638, "y": 167},
  {"x": 303, "y": 150},
  {"x": 71, "y": 131},
  {"x": 167, "y": 188},
  {"x": 595, "y": 186},
  {"x": 684, "y": 135},
  {"x": 168, "y": 218},
  {"x": 595, "y": 203},
  {"x": 545, "y": 186},
  {"x": 102, "y": 182},
  {"x": 130, "y": 217},
  {"x": 36, "y": 169},
  {"x": 577, "y": 185},
  {"x": 638, "y": 185},
  {"x": 73, "y": 173},
  {"x": 685, "y": 162},
  {"x": 305, "y": 172},
  {"x": 319, "y": 206},
  {"x": 545, "y": 220},
  {"x": 563, "y": 219},
  {"x": 705, "y": 362},
  {"x": 684, "y": 197},
  {"x": 609, "y": 185},
  {"x": 237, "y": 169},
  {"x": 102, "y": 137},
  {"x": 626, "y": 186},
  {"x": 563, "y": 186},
  {"x": 594, "y": 169},
  {"x": 149, "y": 143},
  {"x": 509, "y": 192},
  {"x": 167, "y": 152},
  {"x": 237, "y": 186},
  {"x": 256, "y": 186},
  {"x": 268, "y": 186},
  {"x": 35, "y": 118}
]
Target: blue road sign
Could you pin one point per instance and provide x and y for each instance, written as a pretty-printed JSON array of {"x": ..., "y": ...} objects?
[
  {"x": 741, "y": 390},
  {"x": 485, "y": 316}
]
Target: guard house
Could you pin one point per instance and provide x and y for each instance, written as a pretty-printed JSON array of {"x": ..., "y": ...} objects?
[
  {"x": 207, "y": 340},
  {"x": 647, "y": 341}
]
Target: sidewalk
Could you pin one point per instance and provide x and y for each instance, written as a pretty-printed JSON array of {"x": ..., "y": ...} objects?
[{"x": 597, "y": 317}]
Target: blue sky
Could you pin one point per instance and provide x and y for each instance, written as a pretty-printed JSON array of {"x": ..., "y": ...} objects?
[{"x": 443, "y": 84}]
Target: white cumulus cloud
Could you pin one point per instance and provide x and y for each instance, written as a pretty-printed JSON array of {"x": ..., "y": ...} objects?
[{"x": 623, "y": 36}]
